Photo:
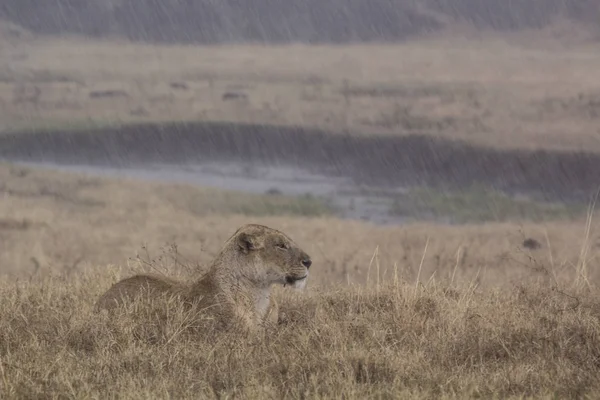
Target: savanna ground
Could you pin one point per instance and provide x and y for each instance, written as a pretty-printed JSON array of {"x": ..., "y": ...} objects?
[{"x": 422, "y": 310}]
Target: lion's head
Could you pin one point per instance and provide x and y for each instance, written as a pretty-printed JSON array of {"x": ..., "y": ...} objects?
[{"x": 274, "y": 257}]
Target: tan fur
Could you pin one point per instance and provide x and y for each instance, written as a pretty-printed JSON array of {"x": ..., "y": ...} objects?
[{"x": 237, "y": 286}]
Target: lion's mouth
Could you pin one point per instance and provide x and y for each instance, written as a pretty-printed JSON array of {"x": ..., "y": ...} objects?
[{"x": 292, "y": 279}]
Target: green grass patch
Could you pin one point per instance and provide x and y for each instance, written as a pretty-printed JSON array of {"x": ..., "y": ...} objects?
[
  {"x": 479, "y": 204},
  {"x": 46, "y": 125},
  {"x": 263, "y": 205},
  {"x": 206, "y": 201}
]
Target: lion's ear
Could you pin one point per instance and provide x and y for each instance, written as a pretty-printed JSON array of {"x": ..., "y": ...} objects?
[{"x": 248, "y": 242}]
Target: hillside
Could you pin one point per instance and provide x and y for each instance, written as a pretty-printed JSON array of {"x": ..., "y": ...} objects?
[{"x": 206, "y": 21}]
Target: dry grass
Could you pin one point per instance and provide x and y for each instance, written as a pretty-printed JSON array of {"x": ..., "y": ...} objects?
[
  {"x": 433, "y": 341},
  {"x": 486, "y": 91}
]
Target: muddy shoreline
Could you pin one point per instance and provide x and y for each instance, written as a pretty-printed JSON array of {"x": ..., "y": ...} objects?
[{"x": 382, "y": 161}]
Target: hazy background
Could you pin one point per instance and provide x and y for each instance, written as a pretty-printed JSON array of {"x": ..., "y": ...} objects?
[{"x": 342, "y": 21}]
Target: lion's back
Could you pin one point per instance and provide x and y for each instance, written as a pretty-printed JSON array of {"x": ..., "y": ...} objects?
[{"x": 129, "y": 288}]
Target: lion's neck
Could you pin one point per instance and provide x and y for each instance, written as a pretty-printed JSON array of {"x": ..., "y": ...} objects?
[{"x": 236, "y": 289}]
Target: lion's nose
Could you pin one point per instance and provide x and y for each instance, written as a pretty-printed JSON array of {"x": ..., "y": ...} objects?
[{"x": 307, "y": 263}]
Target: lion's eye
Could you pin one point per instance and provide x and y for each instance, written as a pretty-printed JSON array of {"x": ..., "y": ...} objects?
[{"x": 282, "y": 246}]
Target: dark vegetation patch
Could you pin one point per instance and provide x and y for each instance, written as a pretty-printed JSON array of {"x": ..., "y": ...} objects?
[
  {"x": 108, "y": 93},
  {"x": 374, "y": 160}
]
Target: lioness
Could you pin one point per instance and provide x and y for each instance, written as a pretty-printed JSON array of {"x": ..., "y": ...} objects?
[{"x": 238, "y": 283}]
